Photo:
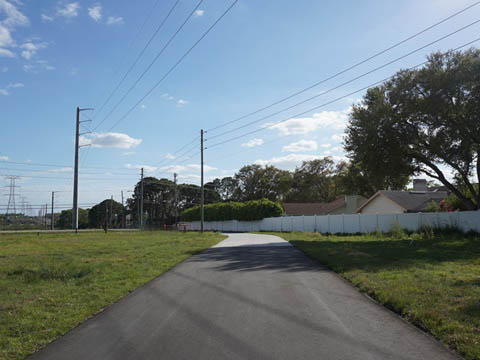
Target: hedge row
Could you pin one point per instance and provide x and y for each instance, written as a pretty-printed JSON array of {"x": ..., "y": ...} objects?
[{"x": 249, "y": 210}]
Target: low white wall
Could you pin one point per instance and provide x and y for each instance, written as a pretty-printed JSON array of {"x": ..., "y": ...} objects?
[{"x": 349, "y": 224}]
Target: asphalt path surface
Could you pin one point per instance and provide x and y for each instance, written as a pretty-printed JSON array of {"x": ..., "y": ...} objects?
[{"x": 249, "y": 297}]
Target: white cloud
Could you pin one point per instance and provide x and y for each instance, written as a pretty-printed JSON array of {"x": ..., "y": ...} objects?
[
  {"x": 288, "y": 161},
  {"x": 39, "y": 65},
  {"x": 195, "y": 178},
  {"x": 110, "y": 140},
  {"x": 115, "y": 20},
  {"x": 7, "y": 53},
  {"x": 69, "y": 10},
  {"x": 45, "y": 65},
  {"x": 30, "y": 49},
  {"x": 143, "y": 106},
  {"x": 326, "y": 145},
  {"x": 181, "y": 102},
  {"x": 184, "y": 168},
  {"x": 95, "y": 12},
  {"x": 253, "y": 143},
  {"x": 322, "y": 120},
  {"x": 169, "y": 156},
  {"x": 169, "y": 97},
  {"x": 128, "y": 153},
  {"x": 13, "y": 16},
  {"x": 4, "y": 158},
  {"x": 46, "y": 17},
  {"x": 28, "y": 68},
  {"x": 61, "y": 170},
  {"x": 146, "y": 168},
  {"x": 302, "y": 145},
  {"x": 199, "y": 13},
  {"x": 293, "y": 160},
  {"x": 5, "y": 37},
  {"x": 5, "y": 91},
  {"x": 338, "y": 137}
]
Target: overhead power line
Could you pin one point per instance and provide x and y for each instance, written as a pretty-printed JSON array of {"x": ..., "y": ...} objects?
[
  {"x": 327, "y": 103},
  {"x": 173, "y": 162},
  {"x": 177, "y": 151},
  {"x": 63, "y": 166},
  {"x": 347, "y": 82},
  {"x": 151, "y": 64},
  {"x": 160, "y": 26},
  {"x": 71, "y": 178},
  {"x": 130, "y": 45},
  {"x": 344, "y": 70},
  {"x": 175, "y": 65},
  {"x": 66, "y": 172}
]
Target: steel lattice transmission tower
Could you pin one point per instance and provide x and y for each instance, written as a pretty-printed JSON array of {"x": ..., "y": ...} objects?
[{"x": 11, "y": 196}]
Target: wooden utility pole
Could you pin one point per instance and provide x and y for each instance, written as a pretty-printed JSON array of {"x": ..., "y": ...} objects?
[
  {"x": 141, "y": 201},
  {"x": 201, "y": 182}
]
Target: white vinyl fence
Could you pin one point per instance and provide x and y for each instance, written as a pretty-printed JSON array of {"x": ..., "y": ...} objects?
[{"x": 350, "y": 224}]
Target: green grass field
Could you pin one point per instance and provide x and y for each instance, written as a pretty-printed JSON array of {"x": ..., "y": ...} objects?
[
  {"x": 52, "y": 282},
  {"x": 432, "y": 280}
]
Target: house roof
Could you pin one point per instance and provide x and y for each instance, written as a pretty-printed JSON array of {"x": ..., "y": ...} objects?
[
  {"x": 313, "y": 208},
  {"x": 411, "y": 201}
]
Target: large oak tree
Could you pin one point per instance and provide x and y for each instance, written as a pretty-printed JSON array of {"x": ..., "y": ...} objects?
[{"x": 425, "y": 120}]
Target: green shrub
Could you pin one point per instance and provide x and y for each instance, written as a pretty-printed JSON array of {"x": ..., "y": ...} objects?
[
  {"x": 397, "y": 232},
  {"x": 432, "y": 206},
  {"x": 247, "y": 211}
]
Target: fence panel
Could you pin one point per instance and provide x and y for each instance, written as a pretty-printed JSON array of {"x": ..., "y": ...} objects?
[
  {"x": 368, "y": 223},
  {"x": 309, "y": 223},
  {"x": 297, "y": 223},
  {"x": 350, "y": 223},
  {"x": 277, "y": 224},
  {"x": 469, "y": 220},
  {"x": 409, "y": 222},
  {"x": 335, "y": 224},
  {"x": 385, "y": 222},
  {"x": 323, "y": 224}
]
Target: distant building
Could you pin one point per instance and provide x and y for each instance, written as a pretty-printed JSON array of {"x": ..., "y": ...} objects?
[
  {"x": 398, "y": 202},
  {"x": 343, "y": 205}
]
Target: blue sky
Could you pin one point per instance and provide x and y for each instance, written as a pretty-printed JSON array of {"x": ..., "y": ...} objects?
[{"x": 57, "y": 55}]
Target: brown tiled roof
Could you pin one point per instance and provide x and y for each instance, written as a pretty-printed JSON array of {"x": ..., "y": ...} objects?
[{"x": 312, "y": 208}]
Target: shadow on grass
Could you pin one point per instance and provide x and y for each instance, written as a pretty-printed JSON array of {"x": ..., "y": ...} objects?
[
  {"x": 62, "y": 273},
  {"x": 377, "y": 254}
]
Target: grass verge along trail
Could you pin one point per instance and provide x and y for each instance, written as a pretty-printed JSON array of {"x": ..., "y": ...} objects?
[
  {"x": 52, "y": 282},
  {"x": 432, "y": 280}
]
